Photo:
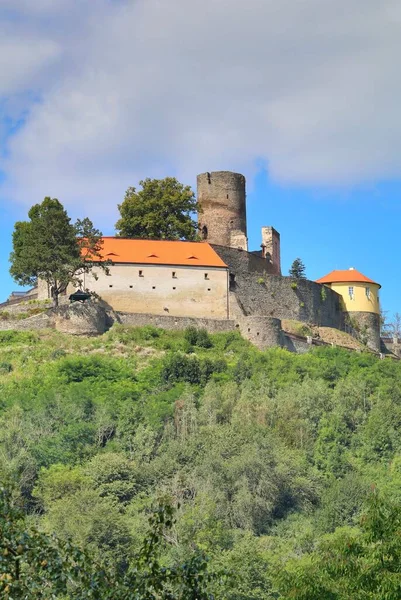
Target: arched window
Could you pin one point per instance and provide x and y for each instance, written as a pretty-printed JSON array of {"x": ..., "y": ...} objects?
[{"x": 204, "y": 232}]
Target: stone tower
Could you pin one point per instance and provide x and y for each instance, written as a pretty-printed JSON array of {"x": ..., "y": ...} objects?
[
  {"x": 271, "y": 248},
  {"x": 222, "y": 219}
]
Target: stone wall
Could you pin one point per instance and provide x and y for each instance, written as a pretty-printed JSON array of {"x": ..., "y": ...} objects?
[
  {"x": 368, "y": 325},
  {"x": 42, "y": 321},
  {"x": 241, "y": 262},
  {"x": 262, "y": 332},
  {"x": 287, "y": 298},
  {"x": 168, "y": 322}
]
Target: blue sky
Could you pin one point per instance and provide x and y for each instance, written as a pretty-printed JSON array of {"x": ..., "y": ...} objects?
[{"x": 301, "y": 97}]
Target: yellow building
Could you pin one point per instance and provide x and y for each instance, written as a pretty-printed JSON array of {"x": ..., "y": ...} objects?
[{"x": 358, "y": 292}]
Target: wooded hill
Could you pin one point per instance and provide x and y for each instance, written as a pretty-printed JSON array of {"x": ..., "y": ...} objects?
[{"x": 268, "y": 458}]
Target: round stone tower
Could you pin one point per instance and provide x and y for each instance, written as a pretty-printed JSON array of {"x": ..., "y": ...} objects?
[{"x": 222, "y": 218}]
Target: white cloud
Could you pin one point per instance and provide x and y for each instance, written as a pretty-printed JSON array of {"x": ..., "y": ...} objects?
[{"x": 147, "y": 88}]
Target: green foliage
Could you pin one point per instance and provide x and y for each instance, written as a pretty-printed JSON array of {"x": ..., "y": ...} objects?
[
  {"x": 323, "y": 293},
  {"x": 35, "y": 565},
  {"x": 297, "y": 269},
  {"x": 352, "y": 564},
  {"x": 198, "y": 337},
  {"x": 162, "y": 209},
  {"x": 263, "y": 454},
  {"x": 49, "y": 247},
  {"x": 294, "y": 285}
]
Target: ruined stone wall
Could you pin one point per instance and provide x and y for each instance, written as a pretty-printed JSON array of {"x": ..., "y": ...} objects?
[
  {"x": 221, "y": 196},
  {"x": 287, "y": 298},
  {"x": 368, "y": 328},
  {"x": 168, "y": 322},
  {"x": 241, "y": 262},
  {"x": 42, "y": 321}
]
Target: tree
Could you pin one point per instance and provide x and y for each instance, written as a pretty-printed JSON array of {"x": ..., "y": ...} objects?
[
  {"x": 51, "y": 248},
  {"x": 297, "y": 269},
  {"x": 351, "y": 564},
  {"x": 35, "y": 565},
  {"x": 161, "y": 210}
]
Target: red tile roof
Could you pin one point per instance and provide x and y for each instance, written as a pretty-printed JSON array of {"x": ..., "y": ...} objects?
[
  {"x": 160, "y": 252},
  {"x": 348, "y": 276}
]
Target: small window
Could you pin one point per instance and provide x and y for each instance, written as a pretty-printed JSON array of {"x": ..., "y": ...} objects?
[
  {"x": 153, "y": 287},
  {"x": 110, "y": 286},
  {"x": 367, "y": 291},
  {"x": 174, "y": 288},
  {"x": 206, "y": 275},
  {"x": 209, "y": 289},
  {"x": 174, "y": 275},
  {"x": 140, "y": 273},
  {"x": 351, "y": 292},
  {"x": 131, "y": 286}
]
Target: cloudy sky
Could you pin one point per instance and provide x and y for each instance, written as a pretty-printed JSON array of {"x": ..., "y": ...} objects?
[{"x": 302, "y": 96}]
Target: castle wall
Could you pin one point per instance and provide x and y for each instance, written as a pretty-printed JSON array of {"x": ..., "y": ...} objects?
[
  {"x": 368, "y": 328},
  {"x": 169, "y": 322},
  {"x": 222, "y": 218},
  {"x": 240, "y": 261},
  {"x": 287, "y": 298},
  {"x": 172, "y": 290}
]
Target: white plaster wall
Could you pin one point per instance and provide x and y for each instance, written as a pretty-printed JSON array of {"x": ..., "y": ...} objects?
[{"x": 188, "y": 294}]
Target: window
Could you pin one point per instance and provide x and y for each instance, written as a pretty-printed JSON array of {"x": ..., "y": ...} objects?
[
  {"x": 174, "y": 288},
  {"x": 206, "y": 275},
  {"x": 153, "y": 287},
  {"x": 351, "y": 292},
  {"x": 131, "y": 286},
  {"x": 174, "y": 275},
  {"x": 140, "y": 273},
  {"x": 110, "y": 286},
  {"x": 367, "y": 291}
]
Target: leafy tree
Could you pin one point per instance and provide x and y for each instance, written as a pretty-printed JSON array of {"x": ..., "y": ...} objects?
[
  {"x": 297, "y": 269},
  {"x": 352, "y": 564},
  {"x": 162, "y": 209},
  {"x": 49, "y": 247},
  {"x": 35, "y": 565}
]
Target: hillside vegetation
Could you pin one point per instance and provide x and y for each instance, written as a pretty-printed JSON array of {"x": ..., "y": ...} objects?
[{"x": 269, "y": 457}]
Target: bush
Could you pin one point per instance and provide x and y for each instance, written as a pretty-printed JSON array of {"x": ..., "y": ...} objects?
[
  {"x": 198, "y": 337},
  {"x": 18, "y": 337},
  {"x": 78, "y": 368},
  {"x": 180, "y": 367},
  {"x": 5, "y": 367},
  {"x": 58, "y": 353}
]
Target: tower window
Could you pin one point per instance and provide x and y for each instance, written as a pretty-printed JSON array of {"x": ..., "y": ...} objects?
[
  {"x": 206, "y": 275},
  {"x": 204, "y": 232},
  {"x": 351, "y": 292},
  {"x": 153, "y": 287},
  {"x": 140, "y": 273},
  {"x": 367, "y": 291},
  {"x": 174, "y": 275}
]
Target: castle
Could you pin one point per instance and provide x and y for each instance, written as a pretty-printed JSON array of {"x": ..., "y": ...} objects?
[{"x": 222, "y": 285}]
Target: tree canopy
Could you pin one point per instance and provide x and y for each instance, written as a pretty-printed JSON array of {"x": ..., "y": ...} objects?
[
  {"x": 297, "y": 269},
  {"x": 162, "y": 209},
  {"x": 49, "y": 247}
]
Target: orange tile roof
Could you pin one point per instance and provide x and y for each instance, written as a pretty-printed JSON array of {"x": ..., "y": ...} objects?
[
  {"x": 160, "y": 252},
  {"x": 348, "y": 276}
]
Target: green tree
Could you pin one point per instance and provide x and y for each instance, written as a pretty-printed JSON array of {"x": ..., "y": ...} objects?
[
  {"x": 351, "y": 564},
  {"x": 51, "y": 248},
  {"x": 297, "y": 269},
  {"x": 35, "y": 565},
  {"x": 162, "y": 209}
]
